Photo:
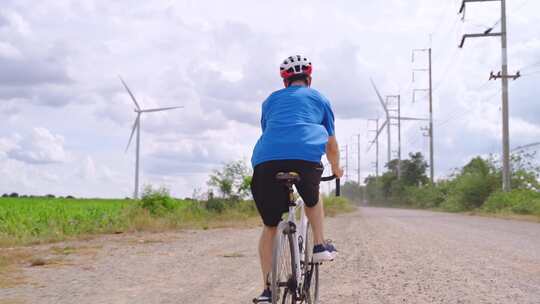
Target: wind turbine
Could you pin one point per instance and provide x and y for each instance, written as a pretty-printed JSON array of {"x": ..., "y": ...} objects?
[
  {"x": 137, "y": 128},
  {"x": 386, "y": 122}
]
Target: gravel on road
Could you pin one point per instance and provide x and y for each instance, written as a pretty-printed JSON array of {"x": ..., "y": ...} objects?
[{"x": 386, "y": 256}]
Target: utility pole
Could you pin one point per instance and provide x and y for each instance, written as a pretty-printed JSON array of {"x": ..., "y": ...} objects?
[
  {"x": 359, "y": 176},
  {"x": 430, "y": 92},
  {"x": 347, "y": 162},
  {"x": 503, "y": 75},
  {"x": 375, "y": 141},
  {"x": 431, "y": 160},
  {"x": 399, "y": 134}
]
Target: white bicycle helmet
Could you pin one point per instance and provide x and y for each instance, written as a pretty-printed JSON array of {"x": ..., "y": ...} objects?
[{"x": 295, "y": 65}]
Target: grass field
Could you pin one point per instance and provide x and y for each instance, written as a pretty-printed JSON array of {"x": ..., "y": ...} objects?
[
  {"x": 38, "y": 220},
  {"x": 24, "y": 220}
]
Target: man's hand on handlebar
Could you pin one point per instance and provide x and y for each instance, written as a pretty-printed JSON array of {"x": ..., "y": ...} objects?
[{"x": 337, "y": 171}]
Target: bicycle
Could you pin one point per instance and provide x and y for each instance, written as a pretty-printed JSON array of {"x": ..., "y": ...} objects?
[{"x": 294, "y": 276}]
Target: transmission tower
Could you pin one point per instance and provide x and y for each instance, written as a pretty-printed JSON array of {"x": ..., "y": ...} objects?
[{"x": 430, "y": 92}]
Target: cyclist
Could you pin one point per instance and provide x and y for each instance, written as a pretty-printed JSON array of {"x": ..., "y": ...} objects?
[{"x": 297, "y": 129}]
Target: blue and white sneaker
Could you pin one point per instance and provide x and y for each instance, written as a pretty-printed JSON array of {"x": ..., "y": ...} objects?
[
  {"x": 265, "y": 297},
  {"x": 324, "y": 253}
]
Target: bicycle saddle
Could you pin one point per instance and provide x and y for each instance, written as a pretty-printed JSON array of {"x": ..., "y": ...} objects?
[{"x": 288, "y": 177}]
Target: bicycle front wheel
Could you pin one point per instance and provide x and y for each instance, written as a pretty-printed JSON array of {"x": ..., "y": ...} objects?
[
  {"x": 310, "y": 270},
  {"x": 283, "y": 281}
]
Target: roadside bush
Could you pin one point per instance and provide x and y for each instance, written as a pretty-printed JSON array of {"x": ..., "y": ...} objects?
[
  {"x": 157, "y": 201},
  {"x": 497, "y": 201},
  {"x": 216, "y": 205},
  {"x": 334, "y": 205},
  {"x": 527, "y": 207},
  {"x": 453, "y": 203},
  {"x": 472, "y": 189},
  {"x": 428, "y": 196},
  {"x": 472, "y": 186},
  {"x": 518, "y": 201}
]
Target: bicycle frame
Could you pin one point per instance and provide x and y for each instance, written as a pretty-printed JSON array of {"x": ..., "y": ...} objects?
[
  {"x": 300, "y": 233},
  {"x": 296, "y": 232}
]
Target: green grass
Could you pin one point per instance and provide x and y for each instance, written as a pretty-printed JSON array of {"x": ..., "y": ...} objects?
[
  {"x": 24, "y": 220},
  {"x": 337, "y": 205},
  {"x": 38, "y": 220}
]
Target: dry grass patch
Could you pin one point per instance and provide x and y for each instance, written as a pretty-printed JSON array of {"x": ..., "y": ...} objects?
[
  {"x": 11, "y": 261},
  {"x": 79, "y": 250}
]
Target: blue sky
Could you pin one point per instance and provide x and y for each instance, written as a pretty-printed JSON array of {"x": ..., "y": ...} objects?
[{"x": 66, "y": 118}]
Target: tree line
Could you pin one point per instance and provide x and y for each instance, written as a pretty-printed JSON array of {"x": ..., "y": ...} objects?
[{"x": 475, "y": 186}]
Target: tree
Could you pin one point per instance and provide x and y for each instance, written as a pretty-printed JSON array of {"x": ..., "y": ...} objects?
[
  {"x": 473, "y": 184},
  {"x": 390, "y": 188},
  {"x": 413, "y": 170},
  {"x": 233, "y": 180}
]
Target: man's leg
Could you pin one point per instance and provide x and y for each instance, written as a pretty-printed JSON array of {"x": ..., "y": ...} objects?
[
  {"x": 265, "y": 252},
  {"x": 315, "y": 215}
]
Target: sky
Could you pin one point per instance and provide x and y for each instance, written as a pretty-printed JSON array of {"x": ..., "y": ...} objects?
[{"x": 66, "y": 119}]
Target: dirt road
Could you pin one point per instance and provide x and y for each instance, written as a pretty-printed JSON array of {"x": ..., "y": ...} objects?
[{"x": 386, "y": 256}]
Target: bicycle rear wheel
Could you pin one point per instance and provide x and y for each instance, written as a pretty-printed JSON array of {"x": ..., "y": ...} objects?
[
  {"x": 283, "y": 281},
  {"x": 310, "y": 270}
]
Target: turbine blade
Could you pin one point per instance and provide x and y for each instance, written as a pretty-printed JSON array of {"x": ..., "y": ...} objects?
[
  {"x": 130, "y": 94},
  {"x": 135, "y": 126},
  {"x": 381, "y": 128},
  {"x": 380, "y": 97},
  {"x": 525, "y": 147},
  {"x": 370, "y": 145},
  {"x": 161, "y": 109},
  {"x": 377, "y": 135}
]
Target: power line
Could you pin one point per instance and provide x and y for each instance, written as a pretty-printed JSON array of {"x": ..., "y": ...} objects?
[
  {"x": 520, "y": 6},
  {"x": 447, "y": 69},
  {"x": 530, "y": 65},
  {"x": 463, "y": 111},
  {"x": 444, "y": 11},
  {"x": 530, "y": 74}
]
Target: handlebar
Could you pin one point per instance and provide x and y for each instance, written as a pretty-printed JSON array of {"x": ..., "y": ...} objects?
[{"x": 338, "y": 184}]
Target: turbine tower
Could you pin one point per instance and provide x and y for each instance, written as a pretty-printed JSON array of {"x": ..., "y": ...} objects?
[{"x": 137, "y": 128}]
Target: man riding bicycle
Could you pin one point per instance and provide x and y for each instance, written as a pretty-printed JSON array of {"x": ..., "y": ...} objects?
[{"x": 298, "y": 128}]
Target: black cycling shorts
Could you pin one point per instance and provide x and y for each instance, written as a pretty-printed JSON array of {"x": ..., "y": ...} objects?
[{"x": 271, "y": 197}]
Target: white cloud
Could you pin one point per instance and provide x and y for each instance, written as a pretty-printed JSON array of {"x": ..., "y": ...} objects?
[
  {"x": 8, "y": 51},
  {"x": 219, "y": 60},
  {"x": 40, "y": 147}
]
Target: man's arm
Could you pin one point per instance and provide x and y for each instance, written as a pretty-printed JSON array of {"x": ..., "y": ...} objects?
[{"x": 332, "y": 154}]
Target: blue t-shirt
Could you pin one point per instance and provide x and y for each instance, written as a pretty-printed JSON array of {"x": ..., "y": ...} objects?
[{"x": 296, "y": 122}]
